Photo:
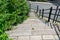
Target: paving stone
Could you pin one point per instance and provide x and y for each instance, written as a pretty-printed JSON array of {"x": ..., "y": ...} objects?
[
  {"x": 25, "y": 27},
  {"x": 35, "y": 38},
  {"x": 13, "y": 38},
  {"x": 43, "y": 32},
  {"x": 49, "y": 32},
  {"x": 56, "y": 37},
  {"x": 35, "y": 33},
  {"x": 23, "y": 38},
  {"x": 48, "y": 37},
  {"x": 20, "y": 32}
]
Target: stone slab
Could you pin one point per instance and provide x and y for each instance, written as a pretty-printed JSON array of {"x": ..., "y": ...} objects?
[
  {"x": 43, "y": 32},
  {"x": 23, "y": 38},
  {"x": 48, "y": 37},
  {"x": 56, "y": 37},
  {"x": 20, "y": 32},
  {"x": 35, "y": 38},
  {"x": 13, "y": 38}
]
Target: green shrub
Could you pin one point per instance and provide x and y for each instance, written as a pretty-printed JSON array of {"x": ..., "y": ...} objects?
[
  {"x": 1, "y": 32},
  {"x": 3, "y": 36},
  {"x": 7, "y": 20},
  {"x": 12, "y": 12}
]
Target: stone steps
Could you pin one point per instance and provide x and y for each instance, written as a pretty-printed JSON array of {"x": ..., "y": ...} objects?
[
  {"x": 33, "y": 29},
  {"x": 44, "y": 37}
]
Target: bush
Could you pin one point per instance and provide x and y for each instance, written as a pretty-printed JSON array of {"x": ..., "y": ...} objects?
[
  {"x": 7, "y": 20},
  {"x": 3, "y": 36},
  {"x": 12, "y": 12}
]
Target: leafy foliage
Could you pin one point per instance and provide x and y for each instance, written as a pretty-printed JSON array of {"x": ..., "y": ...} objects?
[
  {"x": 12, "y": 12},
  {"x": 3, "y": 36}
]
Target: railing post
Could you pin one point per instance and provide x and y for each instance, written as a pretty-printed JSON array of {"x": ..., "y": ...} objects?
[
  {"x": 50, "y": 14},
  {"x": 37, "y": 8},
  {"x": 39, "y": 12},
  {"x": 42, "y": 13},
  {"x": 55, "y": 14}
]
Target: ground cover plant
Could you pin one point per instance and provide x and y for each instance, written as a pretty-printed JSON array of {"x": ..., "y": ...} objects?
[{"x": 12, "y": 12}]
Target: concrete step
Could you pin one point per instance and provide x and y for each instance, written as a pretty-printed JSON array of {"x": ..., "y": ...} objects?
[
  {"x": 43, "y": 32},
  {"x": 41, "y": 37}
]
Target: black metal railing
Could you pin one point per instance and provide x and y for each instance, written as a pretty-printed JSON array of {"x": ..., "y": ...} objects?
[{"x": 55, "y": 14}]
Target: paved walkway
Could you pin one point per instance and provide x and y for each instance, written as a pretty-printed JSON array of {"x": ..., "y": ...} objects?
[{"x": 33, "y": 29}]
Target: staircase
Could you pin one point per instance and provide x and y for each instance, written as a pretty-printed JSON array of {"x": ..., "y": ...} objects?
[{"x": 33, "y": 29}]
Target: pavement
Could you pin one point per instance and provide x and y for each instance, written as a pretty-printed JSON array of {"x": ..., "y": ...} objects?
[
  {"x": 45, "y": 5},
  {"x": 33, "y": 29}
]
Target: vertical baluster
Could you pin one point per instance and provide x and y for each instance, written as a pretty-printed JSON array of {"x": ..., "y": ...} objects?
[
  {"x": 55, "y": 14},
  {"x": 50, "y": 14},
  {"x": 42, "y": 13}
]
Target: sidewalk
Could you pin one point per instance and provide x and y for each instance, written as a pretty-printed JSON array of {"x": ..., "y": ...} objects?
[{"x": 33, "y": 29}]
